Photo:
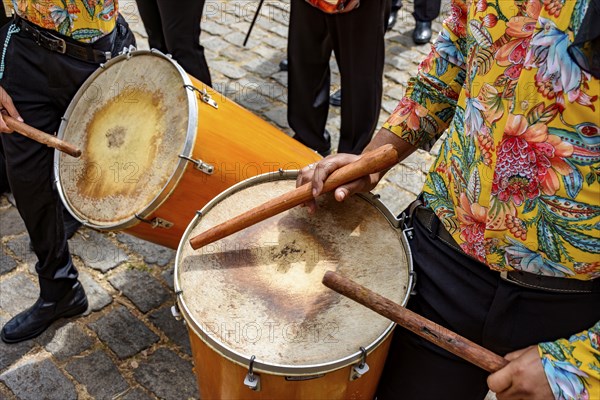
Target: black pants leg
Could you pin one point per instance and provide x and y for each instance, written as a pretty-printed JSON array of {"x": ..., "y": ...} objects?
[
  {"x": 41, "y": 84},
  {"x": 427, "y": 10},
  {"x": 359, "y": 49},
  {"x": 174, "y": 27},
  {"x": 468, "y": 298}
]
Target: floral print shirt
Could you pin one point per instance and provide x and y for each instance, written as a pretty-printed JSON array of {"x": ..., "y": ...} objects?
[
  {"x": 517, "y": 181},
  {"x": 83, "y": 20}
]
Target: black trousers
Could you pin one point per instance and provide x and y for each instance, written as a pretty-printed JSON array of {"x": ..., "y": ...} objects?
[
  {"x": 465, "y": 296},
  {"x": 41, "y": 84},
  {"x": 424, "y": 10},
  {"x": 174, "y": 27},
  {"x": 356, "y": 38}
]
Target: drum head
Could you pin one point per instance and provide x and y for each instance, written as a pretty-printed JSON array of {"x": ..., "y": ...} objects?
[
  {"x": 131, "y": 120},
  {"x": 259, "y": 292}
]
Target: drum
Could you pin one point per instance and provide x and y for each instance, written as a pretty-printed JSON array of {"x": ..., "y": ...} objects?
[
  {"x": 157, "y": 146},
  {"x": 261, "y": 324}
]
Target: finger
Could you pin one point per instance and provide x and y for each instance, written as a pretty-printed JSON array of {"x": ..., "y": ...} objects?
[
  {"x": 326, "y": 167},
  {"x": 501, "y": 380},
  {"x": 9, "y": 106},
  {"x": 348, "y": 189},
  {"x": 3, "y": 126}
]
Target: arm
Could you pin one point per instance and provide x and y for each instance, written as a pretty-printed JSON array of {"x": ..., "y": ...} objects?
[
  {"x": 7, "y": 106},
  {"x": 564, "y": 369}
]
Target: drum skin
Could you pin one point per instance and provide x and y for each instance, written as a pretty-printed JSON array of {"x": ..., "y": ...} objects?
[
  {"x": 137, "y": 120},
  {"x": 257, "y": 295}
]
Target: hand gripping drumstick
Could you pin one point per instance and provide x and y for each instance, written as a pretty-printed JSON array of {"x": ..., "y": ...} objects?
[
  {"x": 423, "y": 327},
  {"x": 369, "y": 163},
  {"x": 41, "y": 137}
]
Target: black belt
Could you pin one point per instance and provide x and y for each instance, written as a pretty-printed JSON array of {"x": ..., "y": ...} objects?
[
  {"x": 69, "y": 47},
  {"x": 431, "y": 222}
]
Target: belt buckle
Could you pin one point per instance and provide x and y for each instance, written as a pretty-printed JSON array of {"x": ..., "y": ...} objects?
[{"x": 54, "y": 43}]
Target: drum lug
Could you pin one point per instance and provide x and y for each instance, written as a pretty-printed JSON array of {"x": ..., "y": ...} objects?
[
  {"x": 204, "y": 96},
  {"x": 175, "y": 312},
  {"x": 252, "y": 380},
  {"x": 200, "y": 165},
  {"x": 157, "y": 222},
  {"x": 358, "y": 370}
]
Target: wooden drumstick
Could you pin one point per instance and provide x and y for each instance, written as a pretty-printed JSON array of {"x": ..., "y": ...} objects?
[
  {"x": 374, "y": 161},
  {"x": 41, "y": 137},
  {"x": 446, "y": 339}
]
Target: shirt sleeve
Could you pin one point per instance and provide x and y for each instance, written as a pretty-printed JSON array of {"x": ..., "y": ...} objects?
[
  {"x": 572, "y": 366},
  {"x": 428, "y": 106}
]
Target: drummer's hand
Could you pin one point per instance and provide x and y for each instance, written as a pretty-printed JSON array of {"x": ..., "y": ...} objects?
[
  {"x": 522, "y": 378},
  {"x": 7, "y": 107},
  {"x": 317, "y": 174}
]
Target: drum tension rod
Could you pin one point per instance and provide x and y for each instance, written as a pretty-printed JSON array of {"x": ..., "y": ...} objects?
[
  {"x": 204, "y": 96},
  {"x": 200, "y": 165},
  {"x": 361, "y": 368},
  {"x": 156, "y": 222},
  {"x": 251, "y": 380}
]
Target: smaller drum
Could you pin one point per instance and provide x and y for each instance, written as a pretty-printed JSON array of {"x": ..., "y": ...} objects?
[
  {"x": 158, "y": 145},
  {"x": 258, "y": 315}
]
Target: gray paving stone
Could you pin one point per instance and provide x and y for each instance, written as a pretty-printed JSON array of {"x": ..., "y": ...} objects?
[
  {"x": 98, "y": 374},
  {"x": 394, "y": 198},
  {"x": 175, "y": 330},
  {"x": 9, "y": 353},
  {"x": 97, "y": 251},
  {"x": 229, "y": 70},
  {"x": 281, "y": 78},
  {"x": 168, "y": 276},
  {"x": 7, "y": 263},
  {"x": 11, "y": 223},
  {"x": 407, "y": 178},
  {"x": 17, "y": 293},
  {"x": 123, "y": 332},
  {"x": 48, "y": 379},
  {"x": 167, "y": 375},
  {"x": 214, "y": 28},
  {"x": 135, "y": 394},
  {"x": 67, "y": 341},
  {"x": 215, "y": 44},
  {"x": 20, "y": 247},
  {"x": 276, "y": 42},
  {"x": 263, "y": 68},
  {"x": 141, "y": 288},
  {"x": 98, "y": 298},
  {"x": 275, "y": 115},
  {"x": 152, "y": 253}
]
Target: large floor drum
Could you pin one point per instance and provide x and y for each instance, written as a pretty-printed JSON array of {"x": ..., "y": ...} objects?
[
  {"x": 158, "y": 145},
  {"x": 256, "y": 309}
]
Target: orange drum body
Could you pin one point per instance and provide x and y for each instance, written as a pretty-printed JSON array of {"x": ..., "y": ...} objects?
[
  {"x": 158, "y": 145},
  {"x": 261, "y": 324}
]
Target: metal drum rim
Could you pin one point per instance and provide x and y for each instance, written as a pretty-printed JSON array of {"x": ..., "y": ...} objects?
[
  {"x": 178, "y": 172},
  {"x": 259, "y": 365}
]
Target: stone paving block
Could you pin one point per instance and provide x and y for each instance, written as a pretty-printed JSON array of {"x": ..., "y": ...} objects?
[
  {"x": 278, "y": 116},
  {"x": 11, "y": 223},
  {"x": 97, "y": 251},
  {"x": 7, "y": 263},
  {"x": 419, "y": 159},
  {"x": 9, "y": 353},
  {"x": 123, "y": 332},
  {"x": 98, "y": 374},
  {"x": 398, "y": 77},
  {"x": 17, "y": 293},
  {"x": 281, "y": 30},
  {"x": 214, "y": 28},
  {"x": 394, "y": 198},
  {"x": 407, "y": 178},
  {"x": 135, "y": 394},
  {"x": 216, "y": 44},
  {"x": 98, "y": 298},
  {"x": 269, "y": 53},
  {"x": 67, "y": 341},
  {"x": 167, "y": 375},
  {"x": 233, "y": 55},
  {"x": 229, "y": 70},
  {"x": 276, "y": 42},
  {"x": 47, "y": 378},
  {"x": 263, "y": 68},
  {"x": 175, "y": 330},
  {"x": 168, "y": 277},
  {"x": 141, "y": 288},
  {"x": 281, "y": 78},
  {"x": 20, "y": 247},
  {"x": 389, "y": 105},
  {"x": 152, "y": 253}
]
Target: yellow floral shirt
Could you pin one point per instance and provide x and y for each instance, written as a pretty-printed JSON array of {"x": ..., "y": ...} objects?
[
  {"x": 517, "y": 181},
  {"x": 83, "y": 20}
]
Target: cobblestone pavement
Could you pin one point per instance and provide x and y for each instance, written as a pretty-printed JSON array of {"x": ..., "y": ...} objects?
[{"x": 127, "y": 345}]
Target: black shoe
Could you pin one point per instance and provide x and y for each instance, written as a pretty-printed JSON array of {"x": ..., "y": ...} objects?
[
  {"x": 336, "y": 98},
  {"x": 283, "y": 65},
  {"x": 327, "y": 137},
  {"x": 422, "y": 32},
  {"x": 37, "y": 318},
  {"x": 393, "y": 18}
]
